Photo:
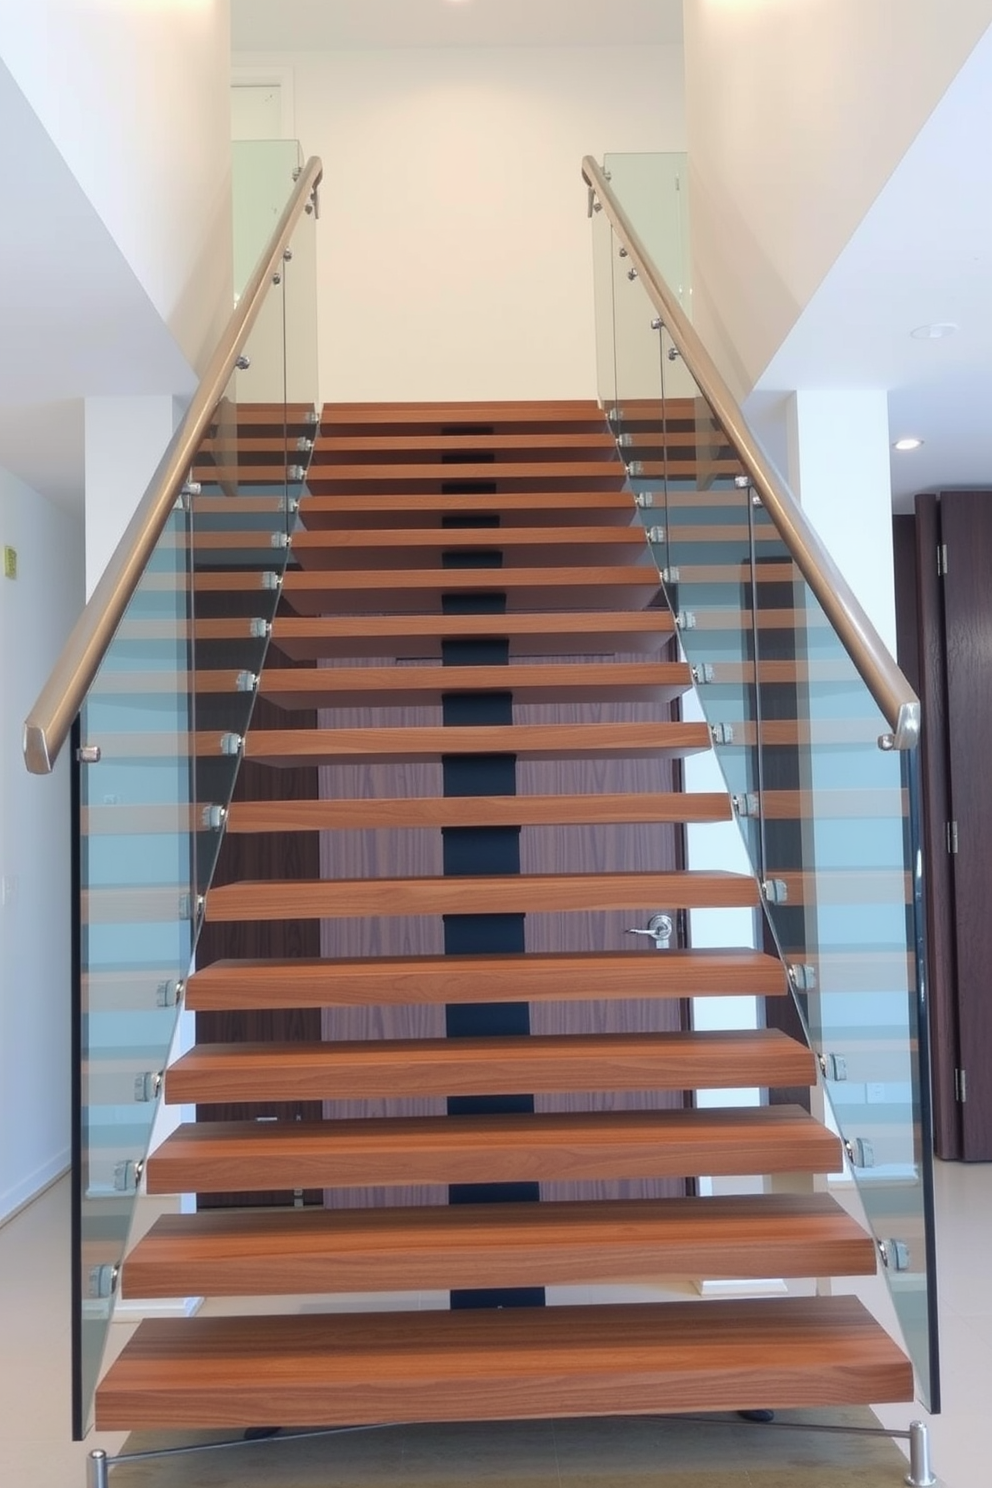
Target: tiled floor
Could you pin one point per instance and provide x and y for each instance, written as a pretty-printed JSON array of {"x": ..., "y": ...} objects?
[{"x": 35, "y": 1450}]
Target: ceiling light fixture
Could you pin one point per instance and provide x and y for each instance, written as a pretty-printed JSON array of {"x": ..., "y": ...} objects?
[
  {"x": 907, "y": 444},
  {"x": 935, "y": 332}
]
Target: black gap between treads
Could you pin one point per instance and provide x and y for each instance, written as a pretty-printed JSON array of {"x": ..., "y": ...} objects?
[
  {"x": 459, "y": 558},
  {"x": 484, "y": 651},
  {"x": 474, "y": 851}
]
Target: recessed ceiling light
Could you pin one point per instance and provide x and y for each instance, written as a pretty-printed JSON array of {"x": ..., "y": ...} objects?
[
  {"x": 935, "y": 332},
  {"x": 907, "y": 444}
]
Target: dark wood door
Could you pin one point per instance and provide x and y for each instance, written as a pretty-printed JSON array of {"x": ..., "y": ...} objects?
[
  {"x": 966, "y": 533},
  {"x": 954, "y": 591},
  {"x": 589, "y": 849}
]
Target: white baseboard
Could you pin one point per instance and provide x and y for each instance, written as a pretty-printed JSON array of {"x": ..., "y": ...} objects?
[{"x": 27, "y": 1189}]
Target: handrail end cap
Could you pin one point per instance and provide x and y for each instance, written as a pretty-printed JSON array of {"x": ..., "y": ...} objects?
[{"x": 36, "y": 755}]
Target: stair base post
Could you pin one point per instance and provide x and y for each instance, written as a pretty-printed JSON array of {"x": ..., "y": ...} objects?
[
  {"x": 97, "y": 1470},
  {"x": 920, "y": 1473}
]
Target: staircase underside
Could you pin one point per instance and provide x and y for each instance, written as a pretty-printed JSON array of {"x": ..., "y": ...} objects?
[{"x": 470, "y": 599}]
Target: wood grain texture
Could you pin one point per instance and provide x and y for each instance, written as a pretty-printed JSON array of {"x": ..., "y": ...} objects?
[
  {"x": 603, "y": 474},
  {"x": 658, "y": 682},
  {"x": 318, "y": 746},
  {"x": 298, "y": 1252},
  {"x": 294, "y": 416},
  {"x": 835, "y": 805},
  {"x": 351, "y": 511},
  {"x": 501, "y": 1364},
  {"x": 592, "y": 740},
  {"x": 936, "y": 812},
  {"x": 492, "y": 1066},
  {"x": 406, "y": 980},
  {"x": 420, "y": 636},
  {"x": 637, "y": 846},
  {"x": 556, "y": 414},
  {"x": 365, "y": 853},
  {"x": 465, "y": 811},
  {"x": 966, "y": 529},
  {"x": 402, "y": 546},
  {"x": 221, "y": 1156},
  {"x": 331, "y": 447},
  {"x": 484, "y": 895},
  {"x": 395, "y": 591},
  {"x": 288, "y": 857}
]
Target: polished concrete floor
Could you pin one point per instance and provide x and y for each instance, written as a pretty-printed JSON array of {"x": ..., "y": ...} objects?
[{"x": 35, "y": 1450}]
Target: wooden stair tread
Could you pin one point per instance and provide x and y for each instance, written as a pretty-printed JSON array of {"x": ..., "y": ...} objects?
[
  {"x": 492, "y": 1066},
  {"x": 398, "y": 546},
  {"x": 581, "y": 632},
  {"x": 270, "y": 475},
  {"x": 297, "y": 899},
  {"x": 453, "y": 580},
  {"x": 364, "y": 570},
  {"x": 474, "y": 811},
  {"x": 526, "y": 741},
  {"x": 333, "y": 444},
  {"x": 228, "y": 985},
  {"x": 501, "y": 1364},
  {"x": 390, "y": 591},
  {"x": 243, "y": 1156},
  {"x": 445, "y": 415},
  {"x": 393, "y": 686},
  {"x": 283, "y": 418},
  {"x": 608, "y": 471},
  {"x": 450, "y": 539},
  {"x": 246, "y": 503},
  {"x": 358, "y": 510},
  {"x": 216, "y": 1253}
]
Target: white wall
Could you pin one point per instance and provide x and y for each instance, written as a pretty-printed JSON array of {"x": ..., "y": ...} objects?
[
  {"x": 124, "y": 439},
  {"x": 37, "y": 611},
  {"x": 454, "y": 249},
  {"x": 797, "y": 114},
  {"x": 838, "y": 467},
  {"x": 135, "y": 96}
]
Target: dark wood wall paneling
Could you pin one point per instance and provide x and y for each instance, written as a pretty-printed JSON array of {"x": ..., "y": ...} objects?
[
  {"x": 264, "y": 855},
  {"x": 543, "y": 850}
]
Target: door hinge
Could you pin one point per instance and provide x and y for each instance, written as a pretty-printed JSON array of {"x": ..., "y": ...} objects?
[
  {"x": 960, "y": 1086},
  {"x": 952, "y": 836},
  {"x": 942, "y": 560}
]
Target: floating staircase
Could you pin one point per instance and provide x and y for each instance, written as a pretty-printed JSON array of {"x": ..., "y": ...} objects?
[{"x": 476, "y": 562}]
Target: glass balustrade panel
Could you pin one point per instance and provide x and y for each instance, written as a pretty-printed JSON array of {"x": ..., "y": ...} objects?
[
  {"x": 604, "y": 251},
  {"x": 827, "y": 815},
  {"x": 839, "y": 833},
  {"x": 252, "y": 480},
  {"x": 652, "y": 189},
  {"x": 136, "y": 912},
  {"x": 263, "y": 174},
  {"x": 169, "y": 711}
]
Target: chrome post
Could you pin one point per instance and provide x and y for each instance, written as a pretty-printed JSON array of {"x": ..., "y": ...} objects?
[
  {"x": 97, "y": 1470},
  {"x": 920, "y": 1473}
]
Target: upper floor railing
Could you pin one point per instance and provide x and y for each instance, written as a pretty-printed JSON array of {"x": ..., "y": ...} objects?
[
  {"x": 895, "y": 698},
  {"x": 48, "y": 724}
]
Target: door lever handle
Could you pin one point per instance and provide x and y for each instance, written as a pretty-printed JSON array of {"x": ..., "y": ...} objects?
[{"x": 659, "y": 929}]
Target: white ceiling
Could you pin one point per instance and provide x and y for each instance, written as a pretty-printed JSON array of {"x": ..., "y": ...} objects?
[{"x": 298, "y": 25}]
